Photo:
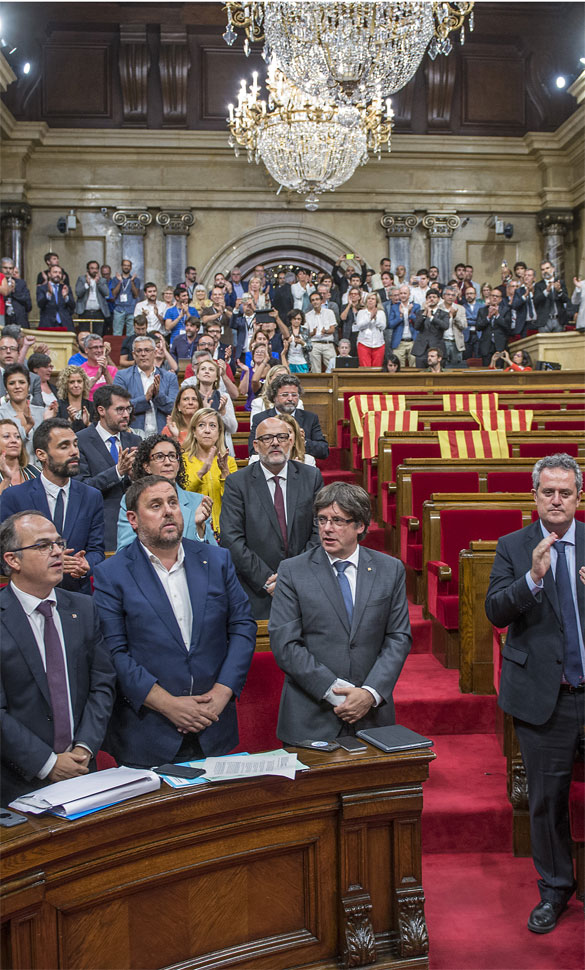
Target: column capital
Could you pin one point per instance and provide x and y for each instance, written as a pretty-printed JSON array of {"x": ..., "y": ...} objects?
[
  {"x": 16, "y": 215},
  {"x": 441, "y": 225},
  {"x": 556, "y": 221},
  {"x": 132, "y": 222},
  {"x": 398, "y": 225},
  {"x": 175, "y": 222}
]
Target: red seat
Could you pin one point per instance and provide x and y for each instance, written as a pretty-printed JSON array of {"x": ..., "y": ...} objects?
[
  {"x": 579, "y": 515},
  {"x": 464, "y": 424},
  {"x": 401, "y": 451},
  {"x": 509, "y": 481},
  {"x": 423, "y": 486},
  {"x": 539, "y": 449},
  {"x": 258, "y": 705},
  {"x": 575, "y": 425},
  {"x": 459, "y": 527},
  {"x": 241, "y": 452}
]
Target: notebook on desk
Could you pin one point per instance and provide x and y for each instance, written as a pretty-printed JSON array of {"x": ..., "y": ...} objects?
[{"x": 394, "y": 737}]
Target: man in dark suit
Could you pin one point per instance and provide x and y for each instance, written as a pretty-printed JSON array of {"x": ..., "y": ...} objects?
[
  {"x": 339, "y": 626},
  {"x": 283, "y": 300},
  {"x": 55, "y": 301},
  {"x": 264, "y": 520},
  {"x": 534, "y": 590},
  {"x": 285, "y": 392},
  {"x": 430, "y": 323},
  {"x": 551, "y": 299},
  {"x": 523, "y": 304},
  {"x": 493, "y": 325},
  {"x": 153, "y": 390},
  {"x": 76, "y": 509},
  {"x": 18, "y": 301},
  {"x": 58, "y": 680},
  {"x": 181, "y": 635},
  {"x": 106, "y": 453}
]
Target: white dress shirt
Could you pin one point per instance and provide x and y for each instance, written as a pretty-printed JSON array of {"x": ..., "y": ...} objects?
[
  {"x": 92, "y": 300},
  {"x": 52, "y": 493},
  {"x": 174, "y": 582},
  {"x": 36, "y": 620},
  {"x": 370, "y": 330},
  {"x": 321, "y": 321},
  {"x": 148, "y": 308}
]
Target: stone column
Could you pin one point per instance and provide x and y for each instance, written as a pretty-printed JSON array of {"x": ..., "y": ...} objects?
[
  {"x": 398, "y": 229},
  {"x": 553, "y": 225},
  {"x": 175, "y": 226},
  {"x": 14, "y": 218},
  {"x": 440, "y": 229},
  {"x": 132, "y": 223}
]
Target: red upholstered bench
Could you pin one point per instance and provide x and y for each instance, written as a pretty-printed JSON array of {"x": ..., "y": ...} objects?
[
  {"x": 509, "y": 481},
  {"x": 401, "y": 451},
  {"x": 423, "y": 484},
  {"x": 539, "y": 449}
]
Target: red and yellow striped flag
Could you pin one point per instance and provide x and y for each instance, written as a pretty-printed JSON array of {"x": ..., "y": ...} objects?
[
  {"x": 379, "y": 423},
  {"x": 473, "y": 444},
  {"x": 504, "y": 420},
  {"x": 470, "y": 402},
  {"x": 359, "y": 404}
]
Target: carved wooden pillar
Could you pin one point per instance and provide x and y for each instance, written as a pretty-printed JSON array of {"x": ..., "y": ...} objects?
[
  {"x": 133, "y": 223},
  {"x": 440, "y": 229},
  {"x": 174, "y": 75},
  {"x": 175, "y": 226},
  {"x": 553, "y": 225},
  {"x": 440, "y": 78},
  {"x": 399, "y": 229},
  {"x": 134, "y": 66},
  {"x": 14, "y": 217}
]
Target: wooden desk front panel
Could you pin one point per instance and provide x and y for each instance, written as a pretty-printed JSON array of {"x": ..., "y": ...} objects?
[{"x": 261, "y": 875}]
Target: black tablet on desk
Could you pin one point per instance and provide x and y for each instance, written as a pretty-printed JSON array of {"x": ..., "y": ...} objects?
[{"x": 394, "y": 737}]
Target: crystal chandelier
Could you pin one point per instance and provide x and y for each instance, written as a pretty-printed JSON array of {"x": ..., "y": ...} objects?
[
  {"x": 308, "y": 146},
  {"x": 349, "y": 52}
]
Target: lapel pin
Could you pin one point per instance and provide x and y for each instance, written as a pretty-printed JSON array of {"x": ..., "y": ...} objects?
[
  {"x": 74, "y": 616},
  {"x": 205, "y": 562},
  {"x": 369, "y": 569}
]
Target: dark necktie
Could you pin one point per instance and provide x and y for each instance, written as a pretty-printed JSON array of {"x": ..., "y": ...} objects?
[
  {"x": 56, "y": 294},
  {"x": 58, "y": 513},
  {"x": 344, "y": 586},
  {"x": 57, "y": 680},
  {"x": 279, "y": 509},
  {"x": 572, "y": 660},
  {"x": 114, "y": 448}
]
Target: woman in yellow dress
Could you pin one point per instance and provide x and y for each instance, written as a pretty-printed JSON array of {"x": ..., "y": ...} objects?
[{"x": 207, "y": 461}]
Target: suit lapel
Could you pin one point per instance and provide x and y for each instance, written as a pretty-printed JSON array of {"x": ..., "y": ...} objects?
[
  {"x": 39, "y": 498},
  {"x": 73, "y": 507},
  {"x": 533, "y": 537},
  {"x": 196, "y": 567},
  {"x": 292, "y": 494},
  {"x": 71, "y": 636},
  {"x": 16, "y": 622},
  {"x": 326, "y": 577},
  {"x": 366, "y": 575},
  {"x": 153, "y": 591},
  {"x": 101, "y": 447}
]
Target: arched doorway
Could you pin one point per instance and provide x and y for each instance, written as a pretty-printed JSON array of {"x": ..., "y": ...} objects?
[{"x": 283, "y": 245}]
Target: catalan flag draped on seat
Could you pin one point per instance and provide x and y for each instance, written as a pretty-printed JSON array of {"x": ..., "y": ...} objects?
[
  {"x": 504, "y": 420},
  {"x": 359, "y": 404},
  {"x": 381, "y": 423},
  {"x": 473, "y": 444},
  {"x": 470, "y": 402}
]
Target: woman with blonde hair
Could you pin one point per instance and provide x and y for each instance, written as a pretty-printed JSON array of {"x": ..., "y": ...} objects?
[
  {"x": 187, "y": 402},
  {"x": 73, "y": 401},
  {"x": 263, "y": 402},
  {"x": 208, "y": 377},
  {"x": 298, "y": 452},
  {"x": 207, "y": 462},
  {"x": 261, "y": 300},
  {"x": 14, "y": 465}
]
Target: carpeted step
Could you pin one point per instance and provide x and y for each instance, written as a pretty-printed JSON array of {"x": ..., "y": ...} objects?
[
  {"x": 427, "y": 699},
  {"x": 375, "y": 538},
  {"x": 337, "y": 460},
  {"x": 337, "y": 475},
  {"x": 421, "y": 630},
  {"x": 465, "y": 804},
  {"x": 476, "y": 910}
]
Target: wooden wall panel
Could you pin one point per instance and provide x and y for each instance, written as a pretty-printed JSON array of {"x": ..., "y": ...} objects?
[
  {"x": 493, "y": 89},
  {"x": 221, "y": 69},
  {"x": 76, "y": 80}
]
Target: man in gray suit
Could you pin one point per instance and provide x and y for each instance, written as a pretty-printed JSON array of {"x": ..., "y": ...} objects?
[
  {"x": 339, "y": 626},
  {"x": 267, "y": 513}
]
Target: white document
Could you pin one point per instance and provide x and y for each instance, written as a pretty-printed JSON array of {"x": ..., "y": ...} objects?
[
  {"x": 88, "y": 792},
  {"x": 253, "y": 765}
]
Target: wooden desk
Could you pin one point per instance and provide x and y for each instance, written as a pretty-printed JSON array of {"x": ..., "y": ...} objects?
[{"x": 261, "y": 875}]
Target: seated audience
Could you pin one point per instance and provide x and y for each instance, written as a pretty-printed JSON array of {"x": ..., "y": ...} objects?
[
  {"x": 55, "y": 302},
  {"x": 140, "y": 330},
  {"x": 17, "y": 406},
  {"x": 80, "y": 357},
  {"x": 370, "y": 325},
  {"x": 284, "y": 393},
  {"x": 42, "y": 366},
  {"x": 73, "y": 397},
  {"x": 435, "y": 360},
  {"x": 519, "y": 361},
  {"x": 97, "y": 366},
  {"x": 18, "y": 303},
  {"x": 187, "y": 402},
  {"x": 160, "y": 455},
  {"x": 14, "y": 464},
  {"x": 343, "y": 350},
  {"x": 391, "y": 364},
  {"x": 207, "y": 461},
  {"x": 48, "y": 735},
  {"x": 152, "y": 308}
]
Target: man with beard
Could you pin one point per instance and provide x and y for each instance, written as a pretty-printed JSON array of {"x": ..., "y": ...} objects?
[
  {"x": 92, "y": 294},
  {"x": 77, "y": 510},
  {"x": 267, "y": 512},
  {"x": 180, "y": 633},
  {"x": 285, "y": 392}
]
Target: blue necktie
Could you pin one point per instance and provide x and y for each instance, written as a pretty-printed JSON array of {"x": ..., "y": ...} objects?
[
  {"x": 341, "y": 566},
  {"x": 58, "y": 513},
  {"x": 572, "y": 660},
  {"x": 114, "y": 448},
  {"x": 56, "y": 294}
]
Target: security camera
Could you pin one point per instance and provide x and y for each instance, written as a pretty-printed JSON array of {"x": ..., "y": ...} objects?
[
  {"x": 508, "y": 230},
  {"x": 62, "y": 224}
]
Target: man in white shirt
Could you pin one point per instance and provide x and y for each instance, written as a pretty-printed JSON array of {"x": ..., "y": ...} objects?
[
  {"x": 321, "y": 324},
  {"x": 419, "y": 287},
  {"x": 454, "y": 335},
  {"x": 57, "y": 676},
  {"x": 153, "y": 309},
  {"x": 92, "y": 294},
  {"x": 339, "y": 625},
  {"x": 181, "y": 634}
]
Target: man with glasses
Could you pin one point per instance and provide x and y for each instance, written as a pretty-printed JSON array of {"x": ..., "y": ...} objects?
[
  {"x": 266, "y": 513},
  {"x": 57, "y": 676},
  {"x": 106, "y": 453},
  {"x": 285, "y": 391},
  {"x": 339, "y": 626},
  {"x": 76, "y": 509},
  {"x": 152, "y": 390}
]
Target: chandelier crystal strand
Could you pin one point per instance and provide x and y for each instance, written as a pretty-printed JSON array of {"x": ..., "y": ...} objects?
[
  {"x": 350, "y": 52},
  {"x": 308, "y": 146}
]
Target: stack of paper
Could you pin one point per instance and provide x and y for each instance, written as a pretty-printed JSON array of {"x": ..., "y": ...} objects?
[
  {"x": 88, "y": 793},
  {"x": 278, "y": 762}
]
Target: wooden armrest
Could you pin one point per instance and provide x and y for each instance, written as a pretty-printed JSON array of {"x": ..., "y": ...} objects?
[
  {"x": 413, "y": 524},
  {"x": 391, "y": 487}
]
